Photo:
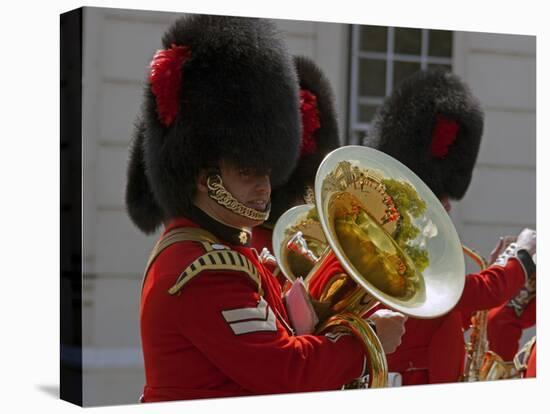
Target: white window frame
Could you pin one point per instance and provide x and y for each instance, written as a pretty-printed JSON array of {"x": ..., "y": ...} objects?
[{"x": 356, "y": 128}]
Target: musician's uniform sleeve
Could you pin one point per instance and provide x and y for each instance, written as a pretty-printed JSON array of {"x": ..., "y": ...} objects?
[
  {"x": 224, "y": 317},
  {"x": 491, "y": 287}
]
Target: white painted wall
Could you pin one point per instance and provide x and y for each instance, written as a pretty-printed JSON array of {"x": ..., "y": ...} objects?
[
  {"x": 118, "y": 47},
  {"x": 500, "y": 69},
  {"x": 501, "y": 199}
]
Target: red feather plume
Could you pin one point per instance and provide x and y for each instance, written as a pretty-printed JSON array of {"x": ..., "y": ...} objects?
[
  {"x": 165, "y": 78},
  {"x": 443, "y": 135},
  {"x": 310, "y": 122}
]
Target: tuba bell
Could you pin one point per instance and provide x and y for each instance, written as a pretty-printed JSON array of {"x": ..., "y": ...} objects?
[{"x": 375, "y": 220}]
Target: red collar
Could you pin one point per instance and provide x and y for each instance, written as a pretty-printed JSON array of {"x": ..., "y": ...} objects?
[
  {"x": 179, "y": 222},
  {"x": 227, "y": 235}
]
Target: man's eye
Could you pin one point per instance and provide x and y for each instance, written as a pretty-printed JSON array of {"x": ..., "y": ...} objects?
[{"x": 245, "y": 172}]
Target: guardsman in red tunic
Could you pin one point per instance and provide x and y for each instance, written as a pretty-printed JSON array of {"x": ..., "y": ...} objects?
[
  {"x": 219, "y": 125},
  {"x": 505, "y": 324},
  {"x": 433, "y": 124},
  {"x": 319, "y": 137},
  {"x": 432, "y": 350}
]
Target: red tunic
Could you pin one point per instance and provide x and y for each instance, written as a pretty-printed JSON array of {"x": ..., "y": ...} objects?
[
  {"x": 262, "y": 237},
  {"x": 218, "y": 337},
  {"x": 432, "y": 350}
]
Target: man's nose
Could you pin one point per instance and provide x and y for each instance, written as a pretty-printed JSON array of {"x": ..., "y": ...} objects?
[{"x": 264, "y": 184}]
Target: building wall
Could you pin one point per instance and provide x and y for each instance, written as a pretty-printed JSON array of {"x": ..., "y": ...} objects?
[
  {"x": 500, "y": 70},
  {"x": 119, "y": 45}
]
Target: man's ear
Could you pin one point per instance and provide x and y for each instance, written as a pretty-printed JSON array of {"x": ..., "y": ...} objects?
[{"x": 201, "y": 181}]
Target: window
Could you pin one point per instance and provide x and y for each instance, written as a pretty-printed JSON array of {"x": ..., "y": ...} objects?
[{"x": 383, "y": 56}]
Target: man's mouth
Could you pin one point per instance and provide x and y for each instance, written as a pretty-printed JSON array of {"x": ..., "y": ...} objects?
[{"x": 259, "y": 205}]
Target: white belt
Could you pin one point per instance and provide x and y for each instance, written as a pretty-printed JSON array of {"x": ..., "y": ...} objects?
[{"x": 394, "y": 379}]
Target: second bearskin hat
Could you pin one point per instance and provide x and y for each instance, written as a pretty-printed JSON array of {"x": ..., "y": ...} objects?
[
  {"x": 221, "y": 88},
  {"x": 319, "y": 135},
  {"x": 433, "y": 124}
]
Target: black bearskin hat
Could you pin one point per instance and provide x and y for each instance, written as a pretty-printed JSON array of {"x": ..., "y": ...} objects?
[
  {"x": 433, "y": 124},
  {"x": 319, "y": 135},
  {"x": 222, "y": 88},
  {"x": 140, "y": 200}
]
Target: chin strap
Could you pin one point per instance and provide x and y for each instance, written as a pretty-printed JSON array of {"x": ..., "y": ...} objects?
[{"x": 218, "y": 193}]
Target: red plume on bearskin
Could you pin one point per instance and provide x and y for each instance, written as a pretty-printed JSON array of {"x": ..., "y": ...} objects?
[
  {"x": 165, "y": 78},
  {"x": 319, "y": 135},
  {"x": 310, "y": 122},
  {"x": 443, "y": 135}
]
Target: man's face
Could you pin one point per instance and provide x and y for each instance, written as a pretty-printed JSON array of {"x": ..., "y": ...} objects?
[
  {"x": 250, "y": 189},
  {"x": 247, "y": 187}
]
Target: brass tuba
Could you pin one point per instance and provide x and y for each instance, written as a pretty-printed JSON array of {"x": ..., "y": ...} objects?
[{"x": 388, "y": 232}]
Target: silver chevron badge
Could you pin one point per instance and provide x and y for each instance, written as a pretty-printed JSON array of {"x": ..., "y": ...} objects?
[{"x": 248, "y": 320}]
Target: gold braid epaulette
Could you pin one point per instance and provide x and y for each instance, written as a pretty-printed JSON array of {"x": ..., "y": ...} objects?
[
  {"x": 217, "y": 257},
  {"x": 217, "y": 260}
]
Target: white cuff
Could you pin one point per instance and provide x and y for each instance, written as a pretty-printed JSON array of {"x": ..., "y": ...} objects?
[{"x": 511, "y": 252}]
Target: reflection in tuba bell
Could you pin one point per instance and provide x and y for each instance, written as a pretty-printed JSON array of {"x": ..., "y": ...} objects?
[{"x": 386, "y": 238}]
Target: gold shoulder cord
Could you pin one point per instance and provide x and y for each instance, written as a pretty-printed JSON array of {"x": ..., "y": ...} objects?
[
  {"x": 213, "y": 259},
  {"x": 217, "y": 260}
]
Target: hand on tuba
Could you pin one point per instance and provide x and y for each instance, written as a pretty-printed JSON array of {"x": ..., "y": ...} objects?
[
  {"x": 390, "y": 327},
  {"x": 502, "y": 244},
  {"x": 527, "y": 240}
]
